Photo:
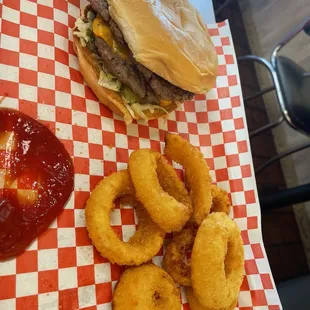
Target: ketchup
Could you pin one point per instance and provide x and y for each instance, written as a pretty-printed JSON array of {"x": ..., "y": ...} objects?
[{"x": 36, "y": 180}]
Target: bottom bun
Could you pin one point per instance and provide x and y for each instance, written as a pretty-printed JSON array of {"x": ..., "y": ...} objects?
[{"x": 90, "y": 69}]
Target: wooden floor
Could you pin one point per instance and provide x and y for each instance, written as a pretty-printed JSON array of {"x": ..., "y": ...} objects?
[{"x": 280, "y": 231}]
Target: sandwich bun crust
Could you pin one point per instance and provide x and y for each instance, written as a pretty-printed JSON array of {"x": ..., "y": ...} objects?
[{"x": 169, "y": 38}]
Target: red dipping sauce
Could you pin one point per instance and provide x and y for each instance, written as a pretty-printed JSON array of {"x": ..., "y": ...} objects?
[{"x": 36, "y": 180}]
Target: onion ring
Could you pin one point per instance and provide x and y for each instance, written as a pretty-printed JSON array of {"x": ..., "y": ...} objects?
[
  {"x": 182, "y": 242},
  {"x": 160, "y": 190},
  {"x": 142, "y": 246},
  {"x": 217, "y": 261},
  {"x": 220, "y": 200},
  {"x": 195, "y": 305},
  {"x": 146, "y": 287},
  {"x": 174, "y": 260},
  {"x": 197, "y": 174}
]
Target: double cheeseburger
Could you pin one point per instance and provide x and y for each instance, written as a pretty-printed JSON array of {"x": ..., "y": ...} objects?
[{"x": 143, "y": 58}]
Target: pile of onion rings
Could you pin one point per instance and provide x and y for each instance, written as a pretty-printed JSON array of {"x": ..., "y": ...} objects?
[{"x": 198, "y": 217}]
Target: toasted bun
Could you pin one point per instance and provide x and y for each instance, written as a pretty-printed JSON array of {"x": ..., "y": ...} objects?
[
  {"x": 90, "y": 70},
  {"x": 169, "y": 38}
]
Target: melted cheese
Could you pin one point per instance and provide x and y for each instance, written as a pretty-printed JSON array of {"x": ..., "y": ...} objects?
[
  {"x": 165, "y": 103},
  {"x": 103, "y": 31}
]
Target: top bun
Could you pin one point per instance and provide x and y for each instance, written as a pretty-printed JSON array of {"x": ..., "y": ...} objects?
[{"x": 169, "y": 38}]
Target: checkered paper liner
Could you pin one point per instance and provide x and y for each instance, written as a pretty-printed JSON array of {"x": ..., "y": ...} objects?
[{"x": 39, "y": 76}]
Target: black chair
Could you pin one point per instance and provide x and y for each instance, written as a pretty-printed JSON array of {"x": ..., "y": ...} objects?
[{"x": 292, "y": 86}]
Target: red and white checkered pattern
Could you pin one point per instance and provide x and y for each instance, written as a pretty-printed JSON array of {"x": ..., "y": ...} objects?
[{"x": 39, "y": 75}]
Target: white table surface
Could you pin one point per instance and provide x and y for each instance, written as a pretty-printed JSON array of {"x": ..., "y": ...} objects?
[{"x": 205, "y": 8}]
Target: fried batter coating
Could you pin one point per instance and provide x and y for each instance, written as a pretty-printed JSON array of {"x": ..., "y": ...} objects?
[
  {"x": 182, "y": 242},
  {"x": 174, "y": 260},
  {"x": 142, "y": 246},
  {"x": 146, "y": 287},
  {"x": 217, "y": 261},
  {"x": 160, "y": 190},
  {"x": 220, "y": 200},
  {"x": 197, "y": 174},
  {"x": 195, "y": 305}
]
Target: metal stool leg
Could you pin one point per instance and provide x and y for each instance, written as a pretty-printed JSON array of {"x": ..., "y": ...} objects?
[
  {"x": 280, "y": 156},
  {"x": 267, "y": 127},
  {"x": 262, "y": 92},
  {"x": 276, "y": 87}
]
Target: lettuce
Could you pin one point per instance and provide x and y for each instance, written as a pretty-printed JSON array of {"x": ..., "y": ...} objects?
[{"x": 109, "y": 81}]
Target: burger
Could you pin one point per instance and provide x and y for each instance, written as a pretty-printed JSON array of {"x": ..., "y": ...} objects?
[{"x": 144, "y": 58}]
